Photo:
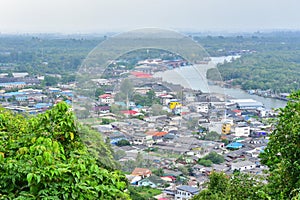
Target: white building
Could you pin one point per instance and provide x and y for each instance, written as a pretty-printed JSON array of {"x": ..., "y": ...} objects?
[
  {"x": 242, "y": 131},
  {"x": 20, "y": 74},
  {"x": 243, "y": 165},
  {"x": 142, "y": 139},
  {"x": 106, "y": 99},
  {"x": 202, "y": 108},
  {"x": 184, "y": 192}
]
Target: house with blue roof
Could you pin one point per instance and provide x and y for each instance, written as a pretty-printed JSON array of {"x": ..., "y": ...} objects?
[
  {"x": 151, "y": 181},
  {"x": 43, "y": 105},
  {"x": 234, "y": 145}
]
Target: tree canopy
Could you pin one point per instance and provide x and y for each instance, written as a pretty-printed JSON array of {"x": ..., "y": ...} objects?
[
  {"x": 283, "y": 151},
  {"x": 44, "y": 157},
  {"x": 238, "y": 186}
]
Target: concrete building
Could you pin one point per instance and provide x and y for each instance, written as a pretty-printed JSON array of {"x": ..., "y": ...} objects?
[
  {"x": 243, "y": 165},
  {"x": 242, "y": 131},
  {"x": 185, "y": 192}
]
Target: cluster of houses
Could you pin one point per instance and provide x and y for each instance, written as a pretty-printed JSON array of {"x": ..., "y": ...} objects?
[
  {"x": 19, "y": 93},
  {"x": 171, "y": 137},
  {"x": 174, "y": 140},
  {"x": 167, "y": 142}
]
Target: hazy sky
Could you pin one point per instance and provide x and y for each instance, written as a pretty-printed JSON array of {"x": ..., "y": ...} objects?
[{"x": 84, "y": 16}]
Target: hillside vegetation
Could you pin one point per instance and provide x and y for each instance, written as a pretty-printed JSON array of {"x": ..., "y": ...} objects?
[{"x": 44, "y": 157}]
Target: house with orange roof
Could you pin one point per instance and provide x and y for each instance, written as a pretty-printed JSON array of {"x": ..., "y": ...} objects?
[
  {"x": 142, "y": 172},
  {"x": 158, "y": 136}
]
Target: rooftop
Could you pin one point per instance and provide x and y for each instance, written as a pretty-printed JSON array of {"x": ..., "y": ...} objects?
[{"x": 187, "y": 188}]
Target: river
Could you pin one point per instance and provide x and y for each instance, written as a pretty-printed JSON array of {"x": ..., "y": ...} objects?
[{"x": 194, "y": 77}]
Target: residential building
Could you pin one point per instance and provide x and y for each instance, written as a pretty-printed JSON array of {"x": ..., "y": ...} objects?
[
  {"x": 142, "y": 172},
  {"x": 243, "y": 165},
  {"x": 106, "y": 99},
  {"x": 226, "y": 128},
  {"x": 242, "y": 131},
  {"x": 184, "y": 192}
]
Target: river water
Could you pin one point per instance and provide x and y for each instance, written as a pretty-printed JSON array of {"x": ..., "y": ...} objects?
[
  {"x": 194, "y": 77},
  {"x": 269, "y": 103}
]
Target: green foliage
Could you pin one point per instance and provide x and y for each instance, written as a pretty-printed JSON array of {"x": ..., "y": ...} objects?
[
  {"x": 237, "y": 187},
  {"x": 205, "y": 163},
  {"x": 105, "y": 121},
  {"x": 46, "y": 54},
  {"x": 158, "y": 172},
  {"x": 101, "y": 151},
  {"x": 214, "y": 158},
  {"x": 123, "y": 143},
  {"x": 278, "y": 71},
  {"x": 126, "y": 90},
  {"x": 99, "y": 91},
  {"x": 130, "y": 165},
  {"x": 43, "y": 157},
  {"x": 119, "y": 154},
  {"x": 51, "y": 81},
  {"x": 192, "y": 124},
  {"x": 273, "y": 63},
  {"x": 157, "y": 109},
  {"x": 218, "y": 183},
  {"x": 143, "y": 193},
  {"x": 283, "y": 152},
  {"x": 146, "y": 100},
  {"x": 212, "y": 136}
]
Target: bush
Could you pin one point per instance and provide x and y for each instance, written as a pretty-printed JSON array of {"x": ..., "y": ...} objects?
[{"x": 205, "y": 163}]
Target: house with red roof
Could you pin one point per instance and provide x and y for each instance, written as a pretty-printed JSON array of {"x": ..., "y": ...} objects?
[
  {"x": 106, "y": 99},
  {"x": 130, "y": 112},
  {"x": 237, "y": 112},
  {"x": 141, "y": 75}
]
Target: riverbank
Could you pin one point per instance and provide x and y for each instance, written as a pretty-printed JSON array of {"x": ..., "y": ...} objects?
[{"x": 194, "y": 77}]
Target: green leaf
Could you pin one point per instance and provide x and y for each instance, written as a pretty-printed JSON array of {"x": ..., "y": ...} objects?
[{"x": 29, "y": 177}]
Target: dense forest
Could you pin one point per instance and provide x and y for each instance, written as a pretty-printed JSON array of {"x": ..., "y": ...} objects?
[
  {"x": 268, "y": 61},
  {"x": 44, "y": 54}
]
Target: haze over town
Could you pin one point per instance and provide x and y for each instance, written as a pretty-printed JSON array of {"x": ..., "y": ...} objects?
[{"x": 79, "y": 16}]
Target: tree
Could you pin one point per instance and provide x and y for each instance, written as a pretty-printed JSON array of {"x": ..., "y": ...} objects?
[
  {"x": 283, "y": 151},
  {"x": 156, "y": 109},
  {"x": 214, "y": 157},
  {"x": 119, "y": 154},
  {"x": 126, "y": 87},
  {"x": 205, "y": 163},
  {"x": 123, "y": 142},
  {"x": 105, "y": 121},
  {"x": 212, "y": 135},
  {"x": 98, "y": 92},
  {"x": 115, "y": 108},
  {"x": 143, "y": 193},
  {"x": 239, "y": 186},
  {"x": 158, "y": 172},
  {"x": 44, "y": 157},
  {"x": 193, "y": 123},
  {"x": 50, "y": 81}
]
